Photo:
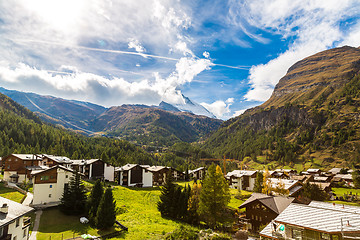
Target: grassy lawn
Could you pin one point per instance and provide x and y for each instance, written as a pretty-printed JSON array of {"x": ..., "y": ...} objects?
[
  {"x": 56, "y": 225},
  {"x": 140, "y": 213},
  {"x": 10, "y": 193},
  {"x": 342, "y": 191},
  {"x": 234, "y": 202}
]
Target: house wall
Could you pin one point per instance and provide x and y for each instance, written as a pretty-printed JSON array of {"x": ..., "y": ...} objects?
[
  {"x": 259, "y": 215},
  {"x": 109, "y": 172},
  {"x": 42, "y": 191},
  {"x": 97, "y": 169},
  {"x": 147, "y": 178},
  {"x": 17, "y": 166},
  {"x": 18, "y": 231}
]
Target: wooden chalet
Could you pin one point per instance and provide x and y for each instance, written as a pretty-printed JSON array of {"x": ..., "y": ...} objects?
[
  {"x": 14, "y": 222},
  {"x": 316, "y": 221},
  {"x": 51, "y": 160},
  {"x": 198, "y": 173},
  {"x": 261, "y": 209},
  {"x": 18, "y": 167},
  {"x": 134, "y": 175},
  {"x": 94, "y": 169}
]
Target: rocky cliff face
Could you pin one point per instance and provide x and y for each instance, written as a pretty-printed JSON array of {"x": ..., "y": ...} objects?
[{"x": 314, "y": 109}]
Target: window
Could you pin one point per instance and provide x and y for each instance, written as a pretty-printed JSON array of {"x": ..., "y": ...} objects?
[
  {"x": 17, "y": 222},
  {"x": 24, "y": 235},
  {"x": 44, "y": 178},
  {"x": 49, "y": 195},
  {"x": 325, "y": 236},
  {"x": 50, "y": 186},
  {"x": 14, "y": 238},
  {"x": 1, "y": 232},
  {"x": 51, "y": 177},
  {"x": 66, "y": 176},
  {"x": 296, "y": 234}
]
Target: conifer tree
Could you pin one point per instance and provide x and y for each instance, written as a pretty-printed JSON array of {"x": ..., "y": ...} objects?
[
  {"x": 193, "y": 204},
  {"x": 106, "y": 214},
  {"x": 258, "y": 182},
  {"x": 73, "y": 201},
  {"x": 167, "y": 197},
  {"x": 94, "y": 200},
  {"x": 214, "y": 197}
]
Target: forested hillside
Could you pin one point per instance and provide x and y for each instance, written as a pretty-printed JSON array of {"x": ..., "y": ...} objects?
[
  {"x": 312, "y": 117},
  {"x": 22, "y": 132}
]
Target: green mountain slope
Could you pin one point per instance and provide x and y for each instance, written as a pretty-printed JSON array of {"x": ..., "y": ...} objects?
[
  {"x": 311, "y": 119},
  {"x": 21, "y": 131},
  {"x": 150, "y": 125}
]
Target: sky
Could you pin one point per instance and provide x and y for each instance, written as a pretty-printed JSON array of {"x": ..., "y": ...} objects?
[{"x": 226, "y": 55}]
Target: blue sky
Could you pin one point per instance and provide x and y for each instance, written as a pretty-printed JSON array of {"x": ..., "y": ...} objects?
[{"x": 225, "y": 55}]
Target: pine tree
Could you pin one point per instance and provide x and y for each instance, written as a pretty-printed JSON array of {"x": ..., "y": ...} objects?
[
  {"x": 106, "y": 214},
  {"x": 166, "y": 204},
  {"x": 94, "y": 200},
  {"x": 258, "y": 182},
  {"x": 214, "y": 197},
  {"x": 193, "y": 204},
  {"x": 73, "y": 201}
]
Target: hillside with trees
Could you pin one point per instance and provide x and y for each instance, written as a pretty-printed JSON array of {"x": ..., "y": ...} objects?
[
  {"x": 311, "y": 119},
  {"x": 21, "y": 131}
]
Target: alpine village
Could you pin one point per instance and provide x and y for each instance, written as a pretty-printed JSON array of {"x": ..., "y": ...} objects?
[{"x": 288, "y": 168}]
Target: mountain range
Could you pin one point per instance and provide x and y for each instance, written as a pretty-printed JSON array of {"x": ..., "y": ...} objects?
[
  {"x": 311, "y": 119},
  {"x": 161, "y": 125}
]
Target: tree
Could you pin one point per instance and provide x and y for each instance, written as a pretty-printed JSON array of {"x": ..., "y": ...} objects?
[
  {"x": 356, "y": 178},
  {"x": 314, "y": 192},
  {"x": 193, "y": 204},
  {"x": 259, "y": 182},
  {"x": 280, "y": 188},
  {"x": 166, "y": 204},
  {"x": 106, "y": 214},
  {"x": 73, "y": 201},
  {"x": 214, "y": 197},
  {"x": 266, "y": 187},
  {"x": 94, "y": 200}
]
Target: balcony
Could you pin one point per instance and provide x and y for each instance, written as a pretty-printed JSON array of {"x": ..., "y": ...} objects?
[{"x": 26, "y": 222}]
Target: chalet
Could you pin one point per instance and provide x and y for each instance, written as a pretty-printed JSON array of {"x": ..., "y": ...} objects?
[
  {"x": 242, "y": 179},
  {"x": 49, "y": 184},
  {"x": 326, "y": 186},
  {"x": 313, "y": 171},
  {"x": 51, "y": 160},
  {"x": 288, "y": 172},
  {"x": 134, "y": 175},
  {"x": 14, "y": 224},
  {"x": 159, "y": 174},
  {"x": 198, "y": 173},
  {"x": 323, "y": 179},
  {"x": 302, "y": 178},
  {"x": 278, "y": 174},
  {"x": 334, "y": 171},
  {"x": 261, "y": 209},
  {"x": 176, "y": 174},
  {"x": 316, "y": 221},
  {"x": 94, "y": 169},
  {"x": 18, "y": 167},
  {"x": 346, "y": 178},
  {"x": 292, "y": 186}
]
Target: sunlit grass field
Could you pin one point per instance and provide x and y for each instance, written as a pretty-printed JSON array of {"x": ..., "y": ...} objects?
[{"x": 10, "y": 193}]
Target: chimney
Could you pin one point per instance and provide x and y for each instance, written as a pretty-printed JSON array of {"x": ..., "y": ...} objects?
[{"x": 4, "y": 209}]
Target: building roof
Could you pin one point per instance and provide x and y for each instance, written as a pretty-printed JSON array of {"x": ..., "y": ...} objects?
[
  {"x": 285, "y": 170},
  {"x": 322, "y": 185},
  {"x": 15, "y": 210},
  {"x": 126, "y": 167},
  {"x": 299, "y": 177},
  {"x": 240, "y": 173},
  {"x": 313, "y": 170},
  {"x": 318, "y": 178},
  {"x": 156, "y": 168},
  {"x": 84, "y": 162},
  {"x": 196, "y": 170},
  {"x": 335, "y": 170},
  {"x": 24, "y": 156},
  {"x": 322, "y": 216},
  {"x": 59, "y": 159},
  {"x": 57, "y": 166},
  {"x": 344, "y": 176},
  {"x": 275, "y": 203}
]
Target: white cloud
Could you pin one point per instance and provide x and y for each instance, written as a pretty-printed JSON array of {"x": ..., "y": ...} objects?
[
  {"x": 206, "y": 54},
  {"x": 219, "y": 108},
  {"x": 106, "y": 91},
  {"x": 135, "y": 44},
  {"x": 315, "y": 26}
]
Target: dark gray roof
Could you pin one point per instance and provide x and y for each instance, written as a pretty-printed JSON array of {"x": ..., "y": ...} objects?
[
  {"x": 15, "y": 210},
  {"x": 57, "y": 166},
  {"x": 275, "y": 203}
]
